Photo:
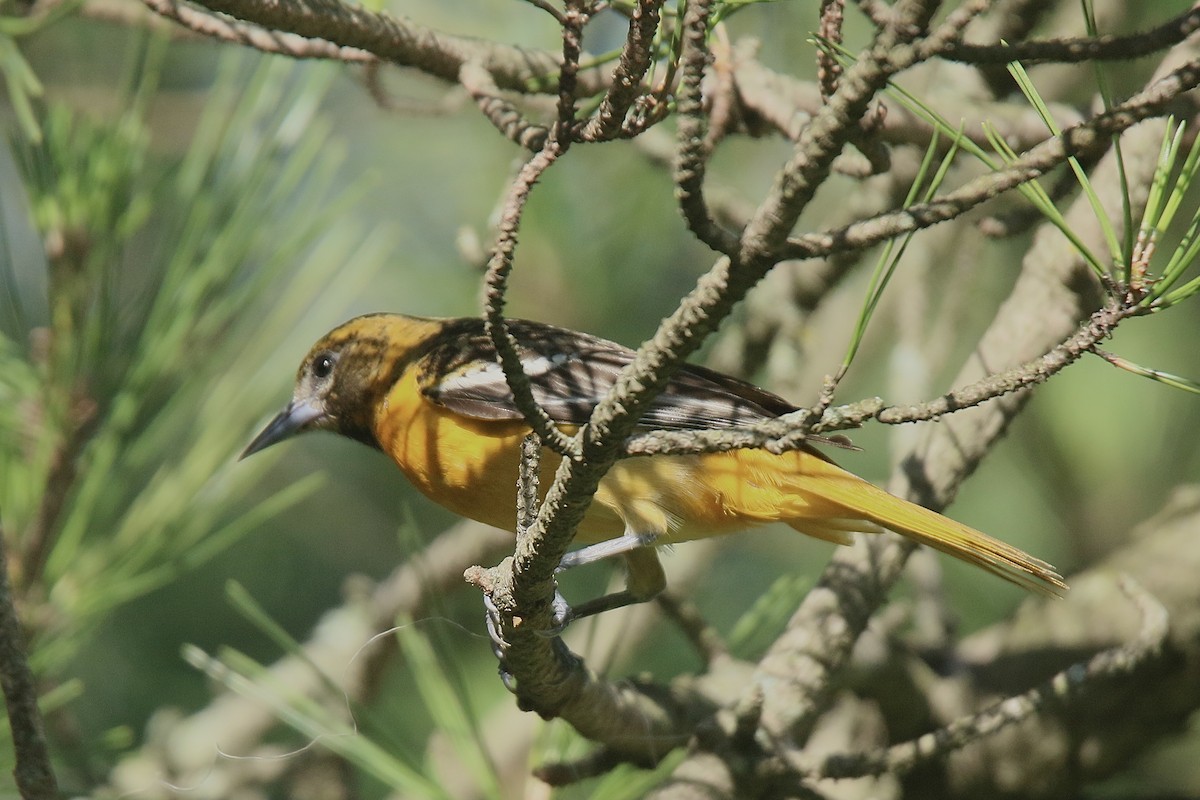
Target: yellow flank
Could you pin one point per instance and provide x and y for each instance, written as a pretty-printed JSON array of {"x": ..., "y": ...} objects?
[{"x": 427, "y": 393}]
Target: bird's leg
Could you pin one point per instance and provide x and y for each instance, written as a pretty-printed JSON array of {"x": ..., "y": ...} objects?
[
  {"x": 607, "y": 549},
  {"x": 645, "y": 577}
]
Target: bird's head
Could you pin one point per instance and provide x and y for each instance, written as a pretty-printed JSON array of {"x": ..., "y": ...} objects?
[{"x": 339, "y": 382}]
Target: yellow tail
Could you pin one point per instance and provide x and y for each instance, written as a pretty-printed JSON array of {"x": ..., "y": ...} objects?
[{"x": 859, "y": 500}]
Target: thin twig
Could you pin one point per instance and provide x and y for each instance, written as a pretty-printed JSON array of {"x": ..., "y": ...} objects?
[
  {"x": 787, "y": 103},
  {"x": 792, "y": 431},
  {"x": 502, "y": 113},
  {"x": 950, "y": 31},
  {"x": 833, "y": 15},
  {"x": 835, "y": 124},
  {"x": 499, "y": 268},
  {"x": 692, "y": 152},
  {"x": 552, "y": 680},
  {"x": 500, "y": 265},
  {"x": 40, "y": 536},
  {"x": 546, "y": 6}
]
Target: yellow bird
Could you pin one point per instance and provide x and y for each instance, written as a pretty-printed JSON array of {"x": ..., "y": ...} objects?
[{"x": 430, "y": 394}]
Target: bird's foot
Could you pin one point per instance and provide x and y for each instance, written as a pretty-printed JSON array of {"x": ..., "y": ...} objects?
[
  {"x": 564, "y": 613},
  {"x": 499, "y": 643}
]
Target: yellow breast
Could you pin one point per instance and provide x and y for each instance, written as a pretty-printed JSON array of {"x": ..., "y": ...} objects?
[{"x": 467, "y": 465}]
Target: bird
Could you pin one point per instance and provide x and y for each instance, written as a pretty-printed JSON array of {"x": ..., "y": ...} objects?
[{"x": 430, "y": 393}]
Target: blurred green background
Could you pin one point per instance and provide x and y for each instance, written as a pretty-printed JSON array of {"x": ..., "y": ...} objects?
[{"x": 284, "y": 200}]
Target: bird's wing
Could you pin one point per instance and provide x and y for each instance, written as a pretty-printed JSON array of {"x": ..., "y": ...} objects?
[{"x": 569, "y": 372}]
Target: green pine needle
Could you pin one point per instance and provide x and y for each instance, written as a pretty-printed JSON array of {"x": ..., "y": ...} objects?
[{"x": 1166, "y": 378}]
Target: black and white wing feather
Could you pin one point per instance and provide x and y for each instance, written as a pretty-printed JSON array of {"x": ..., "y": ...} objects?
[{"x": 570, "y": 372}]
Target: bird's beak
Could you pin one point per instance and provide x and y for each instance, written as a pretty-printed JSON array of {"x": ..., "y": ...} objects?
[{"x": 287, "y": 423}]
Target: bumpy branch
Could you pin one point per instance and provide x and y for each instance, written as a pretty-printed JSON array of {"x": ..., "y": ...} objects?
[
  {"x": 549, "y": 678},
  {"x": 403, "y": 42},
  {"x": 1074, "y": 50},
  {"x": 692, "y": 153},
  {"x": 268, "y": 41},
  {"x": 635, "y": 60}
]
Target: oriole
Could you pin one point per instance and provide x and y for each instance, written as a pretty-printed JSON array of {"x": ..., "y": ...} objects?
[{"x": 430, "y": 394}]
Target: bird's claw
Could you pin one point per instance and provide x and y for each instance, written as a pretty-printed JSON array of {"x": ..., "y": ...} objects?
[
  {"x": 499, "y": 644},
  {"x": 561, "y": 615}
]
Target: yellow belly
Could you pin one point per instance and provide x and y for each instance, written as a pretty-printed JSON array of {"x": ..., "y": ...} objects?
[{"x": 470, "y": 467}]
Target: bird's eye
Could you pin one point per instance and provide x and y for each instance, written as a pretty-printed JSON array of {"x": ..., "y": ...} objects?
[{"x": 323, "y": 366}]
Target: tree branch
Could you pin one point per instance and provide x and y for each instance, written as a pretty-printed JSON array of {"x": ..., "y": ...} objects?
[
  {"x": 268, "y": 41},
  {"x": 403, "y": 42},
  {"x": 33, "y": 773},
  {"x": 1075, "y": 50},
  {"x": 626, "y": 81},
  {"x": 1154, "y": 101},
  {"x": 1066, "y": 687}
]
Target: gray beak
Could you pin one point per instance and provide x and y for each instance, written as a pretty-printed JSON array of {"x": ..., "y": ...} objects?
[{"x": 287, "y": 423}]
